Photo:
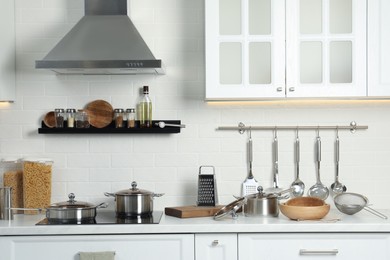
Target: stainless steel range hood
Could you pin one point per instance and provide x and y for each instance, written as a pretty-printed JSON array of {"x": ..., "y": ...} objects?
[{"x": 104, "y": 41}]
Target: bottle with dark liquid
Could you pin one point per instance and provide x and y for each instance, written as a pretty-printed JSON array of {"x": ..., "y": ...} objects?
[{"x": 145, "y": 109}]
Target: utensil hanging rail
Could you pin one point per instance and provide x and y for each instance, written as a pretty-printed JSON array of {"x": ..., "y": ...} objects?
[{"x": 241, "y": 127}]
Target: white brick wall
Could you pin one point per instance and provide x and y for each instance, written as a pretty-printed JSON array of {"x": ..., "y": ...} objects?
[{"x": 89, "y": 165}]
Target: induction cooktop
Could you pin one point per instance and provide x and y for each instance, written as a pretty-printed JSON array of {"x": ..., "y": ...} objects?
[{"x": 109, "y": 218}]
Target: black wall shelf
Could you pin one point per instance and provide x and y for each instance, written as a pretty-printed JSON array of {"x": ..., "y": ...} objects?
[{"x": 110, "y": 129}]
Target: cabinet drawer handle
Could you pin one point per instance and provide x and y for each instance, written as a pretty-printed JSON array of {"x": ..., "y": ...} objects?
[
  {"x": 318, "y": 252},
  {"x": 279, "y": 89},
  {"x": 215, "y": 242}
]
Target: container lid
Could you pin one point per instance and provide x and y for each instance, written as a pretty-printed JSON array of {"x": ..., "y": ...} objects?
[
  {"x": 37, "y": 159},
  {"x": 72, "y": 204},
  {"x": 10, "y": 160},
  {"x": 134, "y": 191}
]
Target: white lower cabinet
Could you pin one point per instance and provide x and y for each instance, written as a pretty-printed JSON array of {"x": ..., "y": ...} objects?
[
  {"x": 126, "y": 247},
  {"x": 216, "y": 246},
  {"x": 314, "y": 246}
]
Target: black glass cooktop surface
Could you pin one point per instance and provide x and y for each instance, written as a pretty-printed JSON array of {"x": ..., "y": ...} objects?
[{"x": 109, "y": 217}]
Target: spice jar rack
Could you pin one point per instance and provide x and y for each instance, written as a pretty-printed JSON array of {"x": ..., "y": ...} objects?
[{"x": 111, "y": 129}]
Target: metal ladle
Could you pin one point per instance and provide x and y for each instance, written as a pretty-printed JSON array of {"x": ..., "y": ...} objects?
[
  {"x": 297, "y": 184},
  {"x": 318, "y": 190},
  {"x": 337, "y": 187}
]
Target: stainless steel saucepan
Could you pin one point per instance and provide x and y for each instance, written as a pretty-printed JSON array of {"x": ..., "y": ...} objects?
[
  {"x": 133, "y": 202},
  {"x": 69, "y": 212}
]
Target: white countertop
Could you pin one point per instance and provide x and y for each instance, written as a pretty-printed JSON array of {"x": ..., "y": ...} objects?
[{"x": 333, "y": 222}]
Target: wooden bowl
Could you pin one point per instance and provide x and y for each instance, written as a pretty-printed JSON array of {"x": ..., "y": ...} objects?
[
  {"x": 304, "y": 208},
  {"x": 49, "y": 119}
]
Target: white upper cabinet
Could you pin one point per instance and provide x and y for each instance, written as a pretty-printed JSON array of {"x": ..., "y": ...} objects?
[
  {"x": 326, "y": 48},
  {"x": 258, "y": 49},
  {"x": 245, "y": 49},
  {"x": 7, "y": 51},
  {"x": 379, "y": 48}
]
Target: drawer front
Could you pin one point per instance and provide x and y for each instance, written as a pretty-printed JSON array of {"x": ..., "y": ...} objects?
[
  {"x": 216, "y": 246},
  {"x": 126, "y": 247},
  {"x": 314, "y": 246}
]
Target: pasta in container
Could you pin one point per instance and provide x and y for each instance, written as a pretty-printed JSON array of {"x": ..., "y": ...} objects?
[
  {"x": 37, "y": 176},
  {"x": 13, "y": 177}
]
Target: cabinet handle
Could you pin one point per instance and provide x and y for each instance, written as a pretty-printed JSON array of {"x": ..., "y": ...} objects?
[
  {"x": 318, "y": 252},
  {"x": 215, "y": 242},
  {"x": 279, "y": 89},
  {"x": 292, "y": 89}
]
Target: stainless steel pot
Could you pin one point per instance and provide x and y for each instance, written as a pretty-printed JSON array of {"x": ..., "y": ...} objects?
[
  {"x": 133, "y": 202},
  {"x": 263, "y": 204},
  {"x": 260, "y": 204}
]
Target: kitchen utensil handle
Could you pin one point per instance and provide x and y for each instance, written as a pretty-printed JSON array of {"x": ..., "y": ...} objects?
[
  {"x": 318, "y": 252},
  {"x": 318, "y": 149},
  {"x": 250, "y": 150},
  {"x": 276, "y": 148},
  {"x": 337, "y": 150},
  {"x": 375, "y": 212},
  {"x": 35, "y": 209},
  {"x": 297, "y": 150}
]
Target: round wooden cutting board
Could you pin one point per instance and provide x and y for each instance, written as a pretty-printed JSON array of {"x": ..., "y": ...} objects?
[{"x": 100, "y": 113}]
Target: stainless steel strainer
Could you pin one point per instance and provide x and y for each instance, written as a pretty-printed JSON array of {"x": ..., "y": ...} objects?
[{"x": 351, "y": 203}]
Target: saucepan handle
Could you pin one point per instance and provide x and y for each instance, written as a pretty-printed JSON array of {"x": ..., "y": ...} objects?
[
  {"x": 158, "y": 194},
  {"x": 108, "y": 194},
  {"x": 102, "y": 205}
]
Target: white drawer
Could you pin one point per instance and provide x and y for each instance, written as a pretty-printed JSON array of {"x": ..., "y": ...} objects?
[{"x": 314, "y": 246}]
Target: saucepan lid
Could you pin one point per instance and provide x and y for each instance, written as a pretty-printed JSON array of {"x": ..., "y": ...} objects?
[{"x": 230, "y": 209}]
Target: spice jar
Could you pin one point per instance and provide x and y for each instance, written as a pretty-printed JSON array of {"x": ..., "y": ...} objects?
[
  {"x": 118, "y": 117},
  {"x": 130, "y": 115},
  {"x": 70, "y": 114},
  {"x": 82, "y": 119},
  {"x": 59, "y": 114}
]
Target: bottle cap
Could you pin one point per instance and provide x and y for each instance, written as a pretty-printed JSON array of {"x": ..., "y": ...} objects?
[{"x": 146, "y": 89}]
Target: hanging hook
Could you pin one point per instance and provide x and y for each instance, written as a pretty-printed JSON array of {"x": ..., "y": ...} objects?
[
  {"x": 337, "y": 131},
  {"x": 275, "y": 132},
  {"x": 318, "y": 131},
  {"x": 250, "y": 131}
]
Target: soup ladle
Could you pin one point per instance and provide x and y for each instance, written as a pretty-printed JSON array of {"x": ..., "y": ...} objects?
[
  {"x": 337, "y": 187},
  {"x": 318, "y": 190},
  {"x": 297, "y": 184}
]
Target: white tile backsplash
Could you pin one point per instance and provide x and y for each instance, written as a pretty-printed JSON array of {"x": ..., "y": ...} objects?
[{"x": 89, "y": 165}]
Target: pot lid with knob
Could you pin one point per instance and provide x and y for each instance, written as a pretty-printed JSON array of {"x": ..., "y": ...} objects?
[
  {"x": 134, "y": 191},
  {"x": 72, "y": 204}
]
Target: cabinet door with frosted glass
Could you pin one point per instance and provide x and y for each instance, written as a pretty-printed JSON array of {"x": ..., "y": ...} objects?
[
  {"x": 326, "y": 48},
  {"x": 245, "y": 49},
  {"x": 378, "y": 48}
]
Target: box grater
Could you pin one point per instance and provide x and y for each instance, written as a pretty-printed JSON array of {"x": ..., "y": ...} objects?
[{"x": 207, "y": 186}]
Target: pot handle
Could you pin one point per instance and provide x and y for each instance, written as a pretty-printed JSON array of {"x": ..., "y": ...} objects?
[
  {"x": 108, "y": 194},
  {"x": 158, "y": 194},
  {"x": 102, "y": 205}
]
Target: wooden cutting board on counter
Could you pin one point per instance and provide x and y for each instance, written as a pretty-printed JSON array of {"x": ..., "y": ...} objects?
[{"x": 192, "y": 211}]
